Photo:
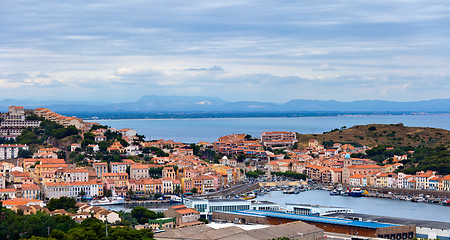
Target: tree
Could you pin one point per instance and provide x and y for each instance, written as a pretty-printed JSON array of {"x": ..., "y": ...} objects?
[
  {"x": 240, "y": 158},
  {"x": 130, "y": 193},
  {"x": 177, "y": 190},
  {"x": 107, "y": 193},
  {"x": 254, "y": 174},
  {"x": 194, "y": 190},
  {"x": 157, "y": 195},
  {"x": 142, "y": 214},
  {"x": 24, "y": 153},
  {"x": 195, "y": 149},
  {"x": 155, "y": 172},
  {"x": 372, "y": 128},
  {"x": 27, "y": 137},
  {"x": 66, "y": 203},
  {"x": 128, "y": 170},
  {"x": 82, "y": 194}
]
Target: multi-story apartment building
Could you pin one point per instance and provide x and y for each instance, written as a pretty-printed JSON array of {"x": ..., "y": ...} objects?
[
  {"x": 72, "y": 189},
  {"x": 119, "y": 167},
  {"x": 138, "y": 171},
  {"x": 14, "y": 122},
  {"x": 2, "y": 182},
  {"x": 30, "y": 191},
  {"x": 169, "y": 172},
  {"x": 76, "y": 175},
  {"x": 445, "y": 183},
  {"x": 423, "y": 178},
  {"x": 278, "y": 139},
  {"x": 10, "y": 151},
  {"x": 100, "y": 168}
]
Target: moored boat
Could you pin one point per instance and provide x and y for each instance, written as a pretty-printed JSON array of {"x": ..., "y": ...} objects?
[
  {"x": 107, "y": 201},
  {"x": 335, "y": 193},
  {"x": 355, "y": 192},
  {"x": 249, "y": 196},
  {"x": 175, "y": 199}
]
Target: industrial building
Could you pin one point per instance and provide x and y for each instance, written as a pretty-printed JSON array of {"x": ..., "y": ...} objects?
[
  {"x": 344, "y": 226},
  {"x": 293, "y": 230},
  {"x": 424, "y": 229},
  {"x": 309, "y": 209}
]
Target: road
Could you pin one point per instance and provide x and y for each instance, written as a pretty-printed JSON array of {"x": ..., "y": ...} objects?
[{"x": 237, "y": 189}]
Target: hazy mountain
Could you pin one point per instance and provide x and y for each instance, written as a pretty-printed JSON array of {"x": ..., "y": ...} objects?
[{"x": 180, "y": 104}]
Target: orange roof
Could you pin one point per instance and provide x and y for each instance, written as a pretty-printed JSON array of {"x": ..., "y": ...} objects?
[
  {"x": 19, "y": 201},
  {"x": 49, "y": 149},
  {"x": 51, "y": 161},
  {"x": 365, "y": 166},
  {"x": 100, "y": 163},
  {"x": 359, "y": 176},
  {"x": 30, "y": 187},
  {"x": 119, "y": 163},
  {"x": 186, "y": 211},
  {"x": 179, "y": 206},
  {"x": 139, "y": 166},
  {"x": 52, "y": 166},
  {"x": 7, "y": 190}
]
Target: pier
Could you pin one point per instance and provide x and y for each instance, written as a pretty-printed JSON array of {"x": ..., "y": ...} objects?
[{"x": 405, "y": 192}]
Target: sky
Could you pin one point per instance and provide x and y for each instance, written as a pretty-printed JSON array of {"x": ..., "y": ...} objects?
[{"x": 119, "y": 51}]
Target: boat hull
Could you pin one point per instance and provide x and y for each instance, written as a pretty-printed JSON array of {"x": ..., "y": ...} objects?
[
  {"x": 107, "y": 202},
  {"x": 355, "y": 194}
]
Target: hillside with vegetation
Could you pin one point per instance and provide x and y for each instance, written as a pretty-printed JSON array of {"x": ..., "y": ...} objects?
[
  {"x": 49, "y": 133},
  {"x": 425, "y": 148},
  {"x": 381, "y": 134},
  {"x": 418, "y": 159}
]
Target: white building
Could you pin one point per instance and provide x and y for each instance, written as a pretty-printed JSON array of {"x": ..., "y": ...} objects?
[
  {"x": 308, "y": 209},
  {"x": 2, "y": 182},
  {"x": 72, "y": 189},
  {"x": 278, "y": 139},
  {"x": 208, "y": 206},
  {"x": 9, "y": 151},
  {"x": 264, "y": 206},
  {"x": 14, "y": 122}
]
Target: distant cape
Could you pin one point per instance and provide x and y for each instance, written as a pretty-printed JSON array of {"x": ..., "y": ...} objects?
[{"x": 182, "y": 104}]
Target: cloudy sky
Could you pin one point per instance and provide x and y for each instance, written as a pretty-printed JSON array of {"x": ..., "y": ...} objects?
[{"x": 236, "y": 50}]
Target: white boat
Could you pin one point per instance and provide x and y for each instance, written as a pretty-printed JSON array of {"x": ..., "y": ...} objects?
[
  {"x": 107, "y": 201},
  {"x": 175, "y": 199}
]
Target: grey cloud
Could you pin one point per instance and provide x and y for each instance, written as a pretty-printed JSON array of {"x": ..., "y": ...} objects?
[
  {"x": 213, "y": 68},
  {"x": 298, "y": 46},
  {"x": 43, "y": 75},
  {"x": 15, "y": 77}
]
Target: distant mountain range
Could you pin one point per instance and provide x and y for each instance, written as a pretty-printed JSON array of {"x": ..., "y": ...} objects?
[{"x": 211, "y": 106}]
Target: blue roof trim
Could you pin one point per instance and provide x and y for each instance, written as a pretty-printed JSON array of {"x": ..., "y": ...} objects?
[{"x": 327, "y": 220}]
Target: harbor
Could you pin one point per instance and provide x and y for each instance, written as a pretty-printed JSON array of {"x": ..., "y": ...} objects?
[{"x": 367, "y": 205}]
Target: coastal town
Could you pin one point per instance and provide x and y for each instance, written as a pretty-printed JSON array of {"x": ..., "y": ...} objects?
[{"x": 45, "y": 155}]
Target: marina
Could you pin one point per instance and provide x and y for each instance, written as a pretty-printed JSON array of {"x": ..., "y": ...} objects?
[{"x": 366, "y": 205}]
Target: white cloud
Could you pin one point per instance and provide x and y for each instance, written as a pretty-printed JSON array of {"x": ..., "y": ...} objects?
[{"x": 246, "y": 50}]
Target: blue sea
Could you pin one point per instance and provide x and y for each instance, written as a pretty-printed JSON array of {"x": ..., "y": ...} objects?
[{"x": 209, "y": 129}]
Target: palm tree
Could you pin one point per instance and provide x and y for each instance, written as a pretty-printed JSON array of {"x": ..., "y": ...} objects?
[
  {"x": 130, "y": 193},
  {"x": 177, "y": 190},
  {"x": 82, "y": 194}
]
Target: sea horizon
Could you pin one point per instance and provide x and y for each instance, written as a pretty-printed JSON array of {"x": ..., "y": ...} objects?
[{"x": 193, "y": 130}]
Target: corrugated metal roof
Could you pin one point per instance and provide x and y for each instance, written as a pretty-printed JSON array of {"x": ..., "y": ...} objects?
[{"x": 307, "y": 218}]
